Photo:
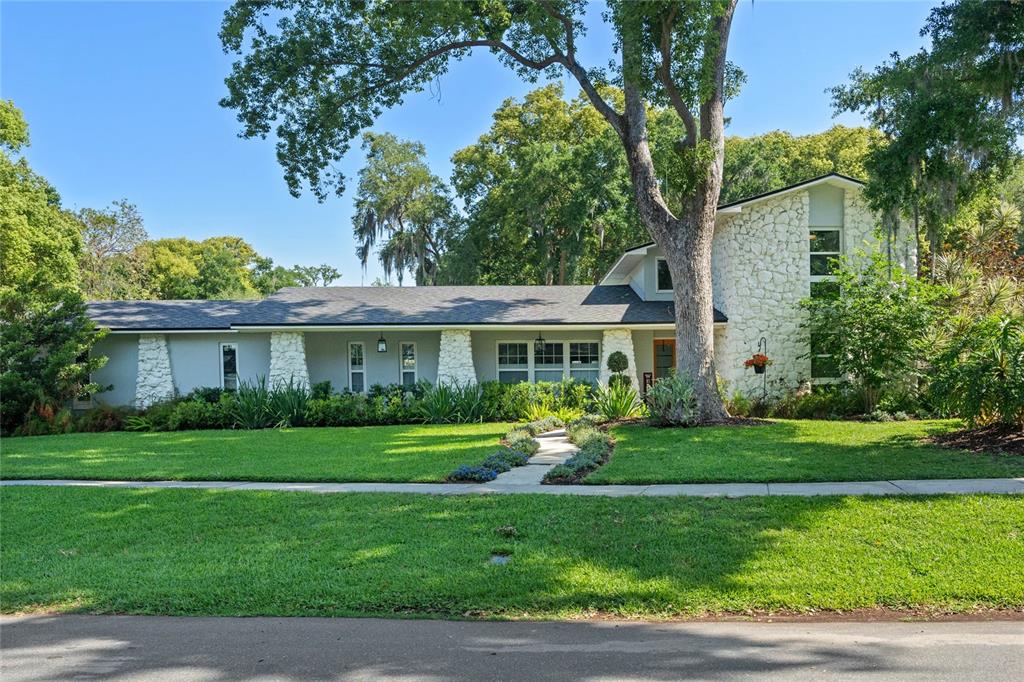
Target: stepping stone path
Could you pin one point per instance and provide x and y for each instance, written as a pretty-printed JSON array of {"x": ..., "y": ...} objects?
[{"x": 554, "y": 449}]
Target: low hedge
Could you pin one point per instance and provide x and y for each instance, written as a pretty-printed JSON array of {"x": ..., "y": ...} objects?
[
  {"x": 264, "y": 407},
  {"x": 519, "y": 446},
  {"x": 595, "y": 446}
]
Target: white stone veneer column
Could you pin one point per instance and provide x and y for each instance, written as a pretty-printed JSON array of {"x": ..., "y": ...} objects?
[
  {"x": 288, "y": 359},
  {"x": 153, "y": 380},
  {"x": 455, "y": 359},
  {"x": 618, "y": 340}
]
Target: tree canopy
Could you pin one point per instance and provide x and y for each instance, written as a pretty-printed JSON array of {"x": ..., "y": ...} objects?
[
  {"x": 547, "y": 196},
  {"x": 950, "y": 115},
  {"x": 402, "y": 203}
]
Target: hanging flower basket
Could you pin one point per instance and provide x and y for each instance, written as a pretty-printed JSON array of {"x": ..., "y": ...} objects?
[{"x": 758, "y": 361}]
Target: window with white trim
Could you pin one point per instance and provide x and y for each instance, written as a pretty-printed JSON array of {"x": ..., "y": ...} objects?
[
  {"x": 822, "y": 364},
  {"x": 229, "y": 366},
  {"x": 663, "y": 275},
  {"x": 407, "y": 360},
  {"x": 513, "y": 362},
  {"x": 520, "y": 361},
  {"x": 584, "y": 361},
  {"x": 549, "y": 361},
  {"x": 356, "y": 367},
  {"x": 826, "y": 246}
]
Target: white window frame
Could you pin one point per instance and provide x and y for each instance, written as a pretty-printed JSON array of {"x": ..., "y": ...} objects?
[
  {"x": 658, "y": 288},
  {"x": 830, "y": 254},
  {"x": 824, "y": 278},
  {"x": 529, "y": 359},
  {"x": 568, "y": 358},
  {"x": 361, "y": 370},
  {"x": 401, "y": 363},
  {"x": 531, "y": 367},
  {"x": 220, "y": 363}
]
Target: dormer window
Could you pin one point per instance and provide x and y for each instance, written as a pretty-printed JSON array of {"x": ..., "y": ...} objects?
[{"x": 664, "y": 276}]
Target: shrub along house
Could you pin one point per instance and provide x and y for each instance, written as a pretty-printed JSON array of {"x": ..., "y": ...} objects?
[{"x": 769, "y": 252}]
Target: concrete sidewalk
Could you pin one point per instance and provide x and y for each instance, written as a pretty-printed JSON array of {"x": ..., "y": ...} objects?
[
  {"x": 166, "y": 648},
  {"x": 963, "y": 486}
]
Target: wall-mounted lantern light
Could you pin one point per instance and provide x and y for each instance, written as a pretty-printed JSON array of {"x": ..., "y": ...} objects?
[
  {"x": 382, "y": 345},
  {"x": 538, "y": 345}
]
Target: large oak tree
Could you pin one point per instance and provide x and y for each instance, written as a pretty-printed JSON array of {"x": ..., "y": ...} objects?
[{"x": 320, "y": 71}]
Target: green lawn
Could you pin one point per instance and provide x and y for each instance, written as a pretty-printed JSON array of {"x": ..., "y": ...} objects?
[
  {"x": 271, "y": 553},
  {"x": 794, "y": 450},
  {"x": 415, "y": 453}
]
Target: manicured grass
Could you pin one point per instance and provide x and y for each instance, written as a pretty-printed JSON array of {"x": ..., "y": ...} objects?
[
  {"x": 794, "y": 450},
  {"x": 411, "y": 453},
  {"x": 272, "y": 553}
]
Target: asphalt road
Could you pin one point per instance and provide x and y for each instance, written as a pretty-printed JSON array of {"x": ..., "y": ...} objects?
[{"x": 161, "y": 648}]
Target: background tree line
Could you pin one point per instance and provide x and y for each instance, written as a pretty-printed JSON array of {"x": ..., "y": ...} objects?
[{"x": 545, "y": 196}]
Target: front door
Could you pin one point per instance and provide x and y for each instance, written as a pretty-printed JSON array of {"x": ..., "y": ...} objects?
[{"x": 664, "y": 357}]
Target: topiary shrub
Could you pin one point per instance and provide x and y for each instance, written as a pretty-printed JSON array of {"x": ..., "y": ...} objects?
[
  {"x": 617, "y": 362},
  {"x": 196, "y": 414},
  {"x": 672, "y": 401}
]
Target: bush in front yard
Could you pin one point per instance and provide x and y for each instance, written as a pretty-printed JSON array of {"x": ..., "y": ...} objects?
[
  {"x": 672, "y": 401},
  {"x": 102, "y": 418},
  {"x": 521, "y": 441},
  {"x": 199, "y": 414},
  {"x": 979, "y": 374},
  {"x": 471, "y": 474}
]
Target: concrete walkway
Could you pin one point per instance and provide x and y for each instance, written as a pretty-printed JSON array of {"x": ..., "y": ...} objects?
[
  {"x": 964, "y": 486},
  {"x": 554, "y": 449}
]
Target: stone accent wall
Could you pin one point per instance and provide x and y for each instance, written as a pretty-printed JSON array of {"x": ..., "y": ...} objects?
[
  {"x": 288, "y": 359},
  {"x": 153, "y": 381},
  {"x": 618, "y": 340},
  {"x": 455, "y": 359},
  {"x": 760, "y": 271},
  {"x": 862, "y": 233}
]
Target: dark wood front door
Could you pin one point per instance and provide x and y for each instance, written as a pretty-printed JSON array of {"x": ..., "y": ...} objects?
[{"x": 664, "y": 357}]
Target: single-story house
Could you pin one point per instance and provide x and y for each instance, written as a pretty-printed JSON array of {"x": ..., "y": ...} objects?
[{"x": 767, "y": 252}]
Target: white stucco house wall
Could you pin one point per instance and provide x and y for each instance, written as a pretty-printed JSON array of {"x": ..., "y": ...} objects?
[{"x": 768, "y": 253}]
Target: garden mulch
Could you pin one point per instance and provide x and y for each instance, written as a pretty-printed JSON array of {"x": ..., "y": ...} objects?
[{"x": 994, "y": 439}]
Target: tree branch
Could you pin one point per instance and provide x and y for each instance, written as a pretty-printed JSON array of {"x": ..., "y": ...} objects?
[
  {"x": 664, "y": 74},
  {"x": 570, "y": 46},
  {"x": 723, "y": 25}
]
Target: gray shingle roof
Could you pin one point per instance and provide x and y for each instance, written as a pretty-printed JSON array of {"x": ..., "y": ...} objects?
[
  {"x": 158, "y": 315},
  {"x": 458, "y": 305},
  {"x": 378, "y": 306}
]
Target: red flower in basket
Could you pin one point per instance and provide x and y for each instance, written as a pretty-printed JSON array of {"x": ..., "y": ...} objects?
[{"x": 758, "y": 361}]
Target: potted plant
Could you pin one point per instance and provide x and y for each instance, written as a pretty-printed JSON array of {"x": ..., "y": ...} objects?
[{"x": 758, "y": 361}]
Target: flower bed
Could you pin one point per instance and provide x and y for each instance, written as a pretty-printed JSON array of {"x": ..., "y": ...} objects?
[
  {"x": 519, "y": 445},
  {"x": 595, "y": 447}
]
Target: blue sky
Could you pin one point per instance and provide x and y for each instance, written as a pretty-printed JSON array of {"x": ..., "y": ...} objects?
[{"x": 121, "y": 100}]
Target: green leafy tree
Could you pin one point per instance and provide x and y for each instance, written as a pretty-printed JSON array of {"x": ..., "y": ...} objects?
[
  {"x": 762, "y": 163},
  {"x": 950, "y": 115},
  {"x": 319, "y": 72},
  {"x": 875, "y": 325},
  {"x": 44, "y": 354},
  {"x": 317, "y": 275},
  {"x": 44, "y": 331},
  {"x": 215, "y": 268},
  {"x": 109, "y": 262},
  {"x": 547, "y": 194},
  {"x": 267, "y": 278},
  {"x": 400, "y": 202}
]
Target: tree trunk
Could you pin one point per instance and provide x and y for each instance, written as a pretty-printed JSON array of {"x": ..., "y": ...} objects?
[{"x": 686, "y": 242}]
